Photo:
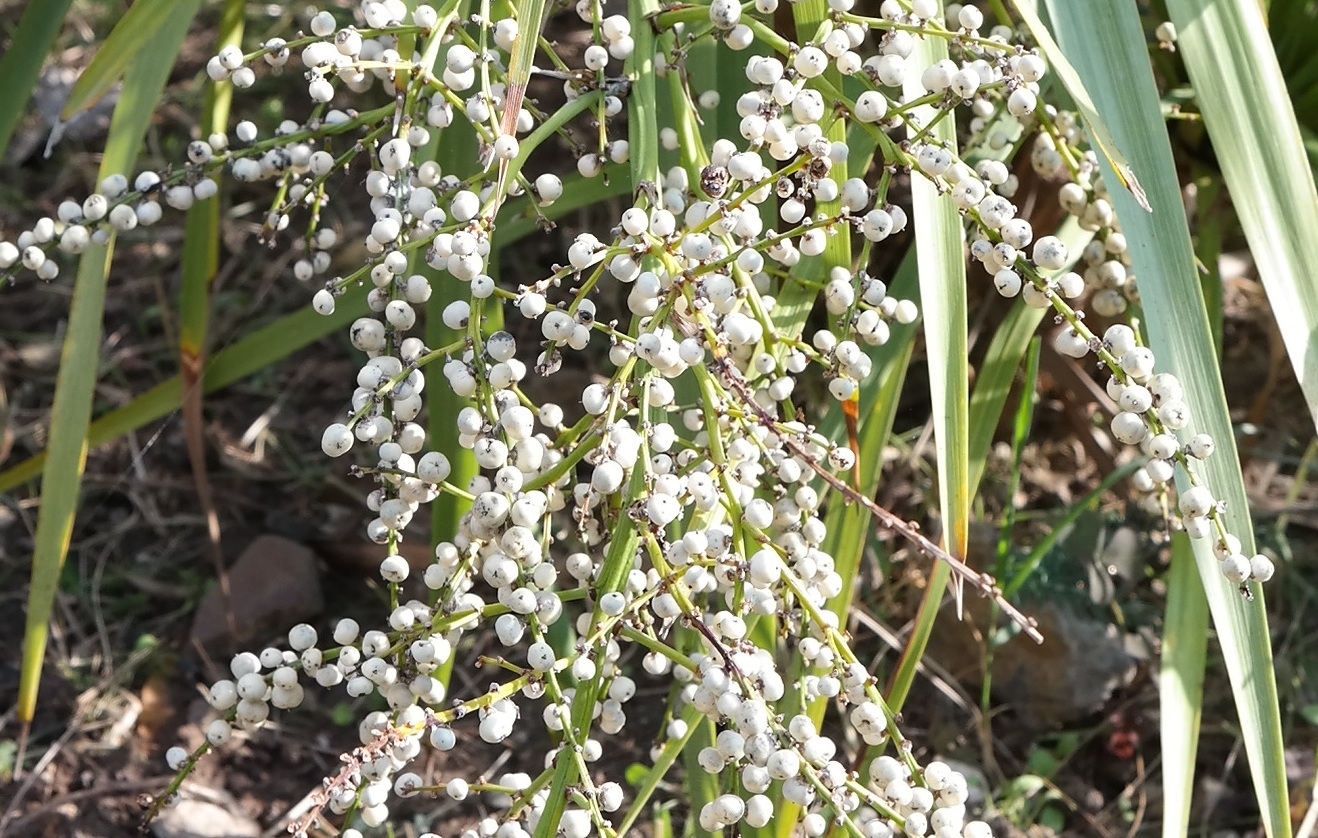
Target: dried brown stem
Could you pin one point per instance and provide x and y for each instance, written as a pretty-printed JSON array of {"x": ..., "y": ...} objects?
[{"x": 887, "y": 519}]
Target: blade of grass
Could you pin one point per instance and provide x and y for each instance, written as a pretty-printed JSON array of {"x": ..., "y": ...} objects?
[
  {"x": 523, "y": 217},
  {"x": 677, "y": 108},
  {"x": 21, "y": 65},
  {"x": 723, "y": 70},
  {"x": 673, "y": 748},
  {"x": 137, "y": 35},
  {"x": 613, "y": 572},
  {"x": 531, "y": 22},
  {"x": 850, "y": 526},
  {"x": 699, "y": 785},
  {"x": 693, "y": 155},
  {"x": 461, "y": 148},
  {"x": 1210, "y": 229},
  {"x": 1106, "y": 44},
  {"x": 799, "y": 295},
  {"x": 941, "y": 260},
  {"x": 1020, "y": 434},
  {"x": 1181, "y": 683},
  {"x": 460, "y": 145},
  {"x": 1022, "y": 423},
  {"x": 1059, "y": 526},
  {"x": 75, "y": 385},
  {"x": 62, "y": 475},
  {"x": 233, "y": 363},
  {"x": 642, "y": 113},
  {"x": 888, "y": 357},
  {"x": 1243, "y": 98},
  {"x": 993, "y": 383}
]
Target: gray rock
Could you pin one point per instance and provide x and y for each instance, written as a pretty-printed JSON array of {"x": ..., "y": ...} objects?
[{"x": 214, "y": 817}]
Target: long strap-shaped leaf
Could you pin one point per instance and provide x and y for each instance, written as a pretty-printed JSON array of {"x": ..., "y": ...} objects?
[
  {"x": 1243, "y": 98},
  {"x": 798, "y": 296},
  {"x": 622, "y": 547},
  {"x": 21, "y": 65},
  {"x": 1181, "y": 684},
  {"x": 139, "y": 34},
  {"x": 1106, "y": 44},
  {"x": 201, "y": 260},
  {"x": 940, "y": 256},
  {"x": 76, "y": 383},
  {"x": 530, "y": 21},
  {"x": 1098, "y": 130},
  {"x": 461, "y": 149}
]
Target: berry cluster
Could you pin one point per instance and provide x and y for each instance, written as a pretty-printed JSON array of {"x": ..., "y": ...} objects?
[{"x": 683, "y": 514}]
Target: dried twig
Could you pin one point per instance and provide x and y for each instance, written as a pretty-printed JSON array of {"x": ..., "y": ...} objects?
[{"x": 985, "y": 582}]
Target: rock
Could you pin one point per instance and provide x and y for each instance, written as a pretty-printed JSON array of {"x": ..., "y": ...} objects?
[
  {"x": 217, "y": 816},
  {"x": 273, "y": 585},
  {"x": 1067, "y": 677},
  {"x": 52, "y": 90}
]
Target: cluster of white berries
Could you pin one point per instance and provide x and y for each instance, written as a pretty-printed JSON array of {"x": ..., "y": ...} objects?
[
  {"x": 117, "y": 207},
  {"x": 1152, "y": 414},
  {"x": 121, "y": 205},
  {"x": 685, "y": 506}
]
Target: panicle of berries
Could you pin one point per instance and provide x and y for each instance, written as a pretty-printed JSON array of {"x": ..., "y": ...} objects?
[
  {"x": 691, "y": 493},
  {"x": 720, "y": 493},
  {"x": 1151, "y": 411}
]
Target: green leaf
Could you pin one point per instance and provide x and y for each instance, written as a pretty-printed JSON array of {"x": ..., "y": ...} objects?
[
  {"x": 1059, "y": 526},
  {"x": 201, "y": 259},
  {"x": 201, "y": 242},
  {"x": 994, "y": 380},
  {"x": 1002, "y": 359},
  {"x": 520, "y": 216},
  {"x": 642, "y": 113},
  {"x": 62, "y": 476},
  {"x": 460, "y": 146},
  {"x": 1181, "y": 684},
  {"x": 940, "y": 256},
  {"x": 795, "y": 301},
  {"x": 79, "y": 360},
  {"x": 673, "y": 748},
  {"x": 1243, "y": 98},
  {"x": 1106, "y": 44},
  {"x": 136, "y": 37},
  {"x": 636, "y": 774},
  {"x": 612, "y": 575},
  {"x": 531, "y": 23},
  {"x": 699, "y": 785},
  {"x": 849, "y": 525},
  {"x": 21, "y": 66}
]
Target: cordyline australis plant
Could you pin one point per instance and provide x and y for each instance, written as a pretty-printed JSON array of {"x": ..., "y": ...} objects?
[{"x": 677, "y": 527}]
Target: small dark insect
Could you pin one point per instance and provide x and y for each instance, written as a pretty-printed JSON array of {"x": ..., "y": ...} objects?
[
  {"x": 714, "y": 180},
  {"x": 819, "y": 167}
]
